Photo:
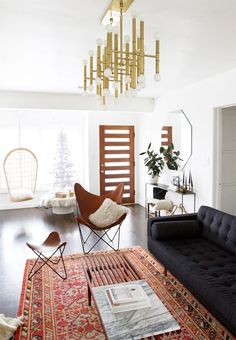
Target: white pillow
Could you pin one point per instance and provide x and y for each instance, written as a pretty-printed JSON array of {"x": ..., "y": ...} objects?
[
  {"x": 21, "y": 194},
  {"x": 108, "y": 213},
  {"x": 163, "y": 205}
]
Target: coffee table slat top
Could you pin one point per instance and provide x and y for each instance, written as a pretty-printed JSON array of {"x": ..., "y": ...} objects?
[{"x": 104, "y": 269}]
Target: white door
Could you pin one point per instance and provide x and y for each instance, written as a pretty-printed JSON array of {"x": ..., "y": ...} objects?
[{"x": 228, "y": 161}]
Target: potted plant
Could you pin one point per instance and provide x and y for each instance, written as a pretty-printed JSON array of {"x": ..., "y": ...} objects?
[
  {"x": 154, "y": 162},
  {"x": 170, "y": 156}
]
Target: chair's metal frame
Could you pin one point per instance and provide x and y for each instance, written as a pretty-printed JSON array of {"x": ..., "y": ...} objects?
[
  {"x": 100, "y": 237},
  {"x": 47, "y": 260}
]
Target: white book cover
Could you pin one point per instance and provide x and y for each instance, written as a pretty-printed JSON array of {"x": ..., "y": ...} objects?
[
  {"x": 127, "y": 294},
  {"x": 127, "y": 306}
]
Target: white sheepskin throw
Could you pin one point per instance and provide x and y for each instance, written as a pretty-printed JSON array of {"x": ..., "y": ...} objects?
[
  {"x": 108, "y": 213},
  {"x": 21, "y": 194},
  {"x": 163, "y": 205},
  {"x": 8, "y": 326}
]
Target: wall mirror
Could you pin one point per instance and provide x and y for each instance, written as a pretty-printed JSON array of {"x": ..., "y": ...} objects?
[{"x": 178, "y": 130}]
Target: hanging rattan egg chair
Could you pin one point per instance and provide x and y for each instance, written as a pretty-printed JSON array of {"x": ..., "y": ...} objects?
[{"x": 20, "y": 169}]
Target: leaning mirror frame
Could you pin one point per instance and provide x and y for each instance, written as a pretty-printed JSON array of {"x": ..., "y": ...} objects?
[
  {"x": 189, "y": 154},
  {"x": 191, "y": 140}
]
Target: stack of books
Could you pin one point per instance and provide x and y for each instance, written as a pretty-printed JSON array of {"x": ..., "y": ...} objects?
[
  {"x": 59, "y": 194},
  {"x": 127, "y": 298}
]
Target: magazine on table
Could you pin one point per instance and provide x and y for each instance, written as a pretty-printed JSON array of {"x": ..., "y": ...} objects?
[{"x": 125, "y": 298}]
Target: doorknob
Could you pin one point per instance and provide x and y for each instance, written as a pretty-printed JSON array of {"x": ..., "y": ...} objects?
[{"x": 102, "y": 171}]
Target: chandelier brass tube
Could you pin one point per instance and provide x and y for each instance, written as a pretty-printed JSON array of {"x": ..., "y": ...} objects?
[
  {"x": 91, "y": 70},
  {"x": 127, "y": 63},
  {"x": 133, "y": 68},
  {"x": 121, "y": 44},
  {"x": 98, "y": 89},
  {"x": 138, "y": 57},
  {"x": 85, "y": 77},
  {"x": 141, "y": 47},
  {"x": 104, "y": 67},
  {"x": 157, "y": 56},
  {"x": 116, "y": 61}
]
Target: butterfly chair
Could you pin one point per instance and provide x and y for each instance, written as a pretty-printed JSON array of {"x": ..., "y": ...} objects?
[
  {"x": 20, "y": 168},
  {"x": 88, "y": 203},
  {"x": 45, "y": 253}
]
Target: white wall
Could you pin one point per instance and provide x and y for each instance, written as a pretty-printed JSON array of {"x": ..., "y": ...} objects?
[{"x": 198, "y": 102}]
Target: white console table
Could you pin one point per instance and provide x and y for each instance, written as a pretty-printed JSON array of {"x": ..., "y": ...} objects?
[{"x": 167, "y": 188}]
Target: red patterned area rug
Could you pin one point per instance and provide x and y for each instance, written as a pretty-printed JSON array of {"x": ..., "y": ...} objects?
[{"x": 57, "y": 309}]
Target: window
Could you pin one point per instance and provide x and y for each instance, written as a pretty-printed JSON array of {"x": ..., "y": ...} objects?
[{"x": 38, "y": 131}]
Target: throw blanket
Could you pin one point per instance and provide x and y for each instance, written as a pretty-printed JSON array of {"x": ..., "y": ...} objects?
[{"x": 8, "y": 326}]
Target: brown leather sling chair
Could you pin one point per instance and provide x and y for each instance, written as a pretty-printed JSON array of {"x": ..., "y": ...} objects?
[{"x": 88, "y": 203}]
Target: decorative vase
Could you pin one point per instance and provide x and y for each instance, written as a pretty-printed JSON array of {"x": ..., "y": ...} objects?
[{"x": 154, "y": 179}]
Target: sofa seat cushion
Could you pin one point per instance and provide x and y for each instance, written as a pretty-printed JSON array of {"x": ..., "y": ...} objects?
[{"x": 208, "y": 271}]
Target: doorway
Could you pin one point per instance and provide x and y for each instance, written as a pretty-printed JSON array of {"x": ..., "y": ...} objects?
[
  {"x": 117, "y": 159},
  {"x": 225, "y": 174}
]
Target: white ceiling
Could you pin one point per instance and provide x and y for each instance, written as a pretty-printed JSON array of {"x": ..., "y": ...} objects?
[{"x": 42, "y": 42}]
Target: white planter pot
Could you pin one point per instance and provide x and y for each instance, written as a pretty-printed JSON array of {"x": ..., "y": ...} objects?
[{"x": 154, "y": 179}]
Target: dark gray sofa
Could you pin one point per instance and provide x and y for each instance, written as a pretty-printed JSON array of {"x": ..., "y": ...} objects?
[{"x": 200, "y": 251}]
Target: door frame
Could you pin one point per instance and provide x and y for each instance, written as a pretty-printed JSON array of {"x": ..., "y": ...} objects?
[
  {"x": 132, "y": 182},
  {"x": 217, "y": 158},
  {"x": 217, "y": 155}
]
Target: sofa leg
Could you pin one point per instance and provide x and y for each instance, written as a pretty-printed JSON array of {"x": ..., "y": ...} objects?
[{"x": 165, "y": 271}]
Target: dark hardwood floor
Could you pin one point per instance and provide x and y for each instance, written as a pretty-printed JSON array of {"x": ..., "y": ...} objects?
[{"x": 33, "y": 225}]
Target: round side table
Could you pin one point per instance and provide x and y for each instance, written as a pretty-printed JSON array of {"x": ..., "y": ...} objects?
[{"x": 60, "y": 206}]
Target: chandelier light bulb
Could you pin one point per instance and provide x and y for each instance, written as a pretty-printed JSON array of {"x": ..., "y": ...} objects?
[
  {"x": 156, "y": 36},
  {"x": 91, "y": 53},
  {"x": 134, "y": 14},
  {"x": 127, "y": 39},
  {"x": 84, "y": 93},
  {"x": 107, "y": 73},
  {"x": 106, "y": 92},
  {"x": 127, "y": 79},
  {"x": 98, "y": 81},
  {"x": 115, "y": 85},
  {"x": 141, "y": 78},
  {"x": 116, "y": 101},
  {"x": 99, "y": 42},
  {"x": 98, "y": 98},
  {"x": 139, "y": 87},
  {"x": 126, "y": 93},
  {"x": 142, "y": 85},
  {"x": 109, "y": 28},
  {"x": 115, "y": 29},
  {"x": 90, "y": 88},
  {"x": 84, "y": 62},
  {"x": 157, "y": 77},
  {"x": 133, "y": 92}
]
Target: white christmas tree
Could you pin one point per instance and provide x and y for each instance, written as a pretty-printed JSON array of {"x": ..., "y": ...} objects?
[{"x": 64, "y": 174}]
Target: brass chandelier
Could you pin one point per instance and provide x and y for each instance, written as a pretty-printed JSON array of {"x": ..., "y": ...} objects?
[{"x": 119, "y": 64}]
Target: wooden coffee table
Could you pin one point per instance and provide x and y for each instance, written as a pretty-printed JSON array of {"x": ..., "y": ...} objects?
[{"x": 107, "y": 269}]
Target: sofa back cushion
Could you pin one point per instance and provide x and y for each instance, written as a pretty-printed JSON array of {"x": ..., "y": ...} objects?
[
  {"x": 218, "y": 227},
  {"x": 174, "y": 230}
]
